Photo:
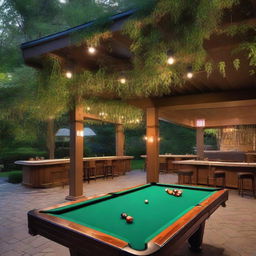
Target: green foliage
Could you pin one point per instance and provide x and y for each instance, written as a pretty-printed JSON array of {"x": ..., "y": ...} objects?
[
  {"x": 171, "y": 137},
  {"x": 252, "y": 54},
  {"x": 236, "y": 64},
  {"x": 15, "y": 177},
  {"x": 208, "y": 68},
  {"x": 222, "y": 68},
  {"x": 9, "y": 155},
  {"x": 28, "y": 98},
  {"x": 213, "y": 132},
  {"x": 137, "y": 164}
]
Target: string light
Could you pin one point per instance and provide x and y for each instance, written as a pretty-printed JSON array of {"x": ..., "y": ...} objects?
[
  {"x": 91, "y": 50},
  {"x": 189, "y": 72},
  {"x": 189, "y": 75},
  {"x": 122, "y": 80},
  {"x": 88, "y": 108},
  {"x": 170, "y": 60},
  {"x": 68, "y": 74}
]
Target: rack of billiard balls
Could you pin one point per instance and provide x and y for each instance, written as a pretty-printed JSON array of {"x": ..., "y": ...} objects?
[{"x": 174, "y": 192}]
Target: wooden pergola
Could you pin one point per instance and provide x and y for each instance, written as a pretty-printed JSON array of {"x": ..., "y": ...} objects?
[{"x": 220, "y": 101}]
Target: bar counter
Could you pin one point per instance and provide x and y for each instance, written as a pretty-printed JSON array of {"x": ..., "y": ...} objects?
[
  {"x": 168, "y": 159},
  {"x": 203, "y": 171},
  {"x": 54, "y": 172}
]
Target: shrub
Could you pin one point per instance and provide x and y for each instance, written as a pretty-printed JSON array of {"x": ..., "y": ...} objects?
[
  {"x": 9, "y": 156},
  {"x": 15, "y": 177}
]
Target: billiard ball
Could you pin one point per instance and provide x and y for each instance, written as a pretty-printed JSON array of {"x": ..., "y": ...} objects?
[
  {"x": 146, "y": 201},
  {"x": 129, "y": 219},
  {"x": 124, "y": 215},
  {"x": 169, "y": 191}
]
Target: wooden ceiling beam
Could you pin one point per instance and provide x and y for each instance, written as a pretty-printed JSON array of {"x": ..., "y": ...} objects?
[
  {"x": 88, "y": 116},
  {"x": 213, "y": 117},
  {"x": 206, "y": 100}
]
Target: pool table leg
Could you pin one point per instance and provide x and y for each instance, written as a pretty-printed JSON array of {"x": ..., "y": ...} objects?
[{"x": 196, "y": 239}]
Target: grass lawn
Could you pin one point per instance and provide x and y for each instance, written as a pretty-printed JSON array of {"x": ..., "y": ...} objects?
[
  {"x": 137, "y": 164},
  {"x": 6, "y": 174}
]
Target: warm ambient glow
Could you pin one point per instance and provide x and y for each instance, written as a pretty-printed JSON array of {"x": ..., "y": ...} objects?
[
  {"x": 189, "y": 75},
  {"x": 150, "y": 139},
  {"x": 80, "y": 133},
  {"x": 170, "y": 60},
  {"x": 68, "y": 74},
  {"x": 122, "y": 80},
  {"x": 88, "y": 108},
  {"x": 91, "y": 50}
]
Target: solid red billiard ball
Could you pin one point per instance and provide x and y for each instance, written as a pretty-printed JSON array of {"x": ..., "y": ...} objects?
[{"x": 129, "y": 219}]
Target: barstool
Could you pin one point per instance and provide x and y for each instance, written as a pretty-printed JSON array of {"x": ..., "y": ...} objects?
[
  {"x": 219, "y": 175},
  {"x": 241, "y": 177},
  {"x": 90, "y": 171},
  {"x": 184, "y": 174},
  {"x": 108, "y": 169},
  {"x": 163, "y": 166}
]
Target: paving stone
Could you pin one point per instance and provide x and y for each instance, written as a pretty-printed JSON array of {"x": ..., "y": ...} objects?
[{"x": 230, "y": 231}]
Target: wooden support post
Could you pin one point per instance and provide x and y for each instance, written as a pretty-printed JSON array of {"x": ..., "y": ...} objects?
[
  {"x": 152, "y": 142},
  {"x": 76, "y": 154},
  {"x": 200, "y": 142},
  {"x": 50, "y": 138},
  {"x": 120, "y": 138}
]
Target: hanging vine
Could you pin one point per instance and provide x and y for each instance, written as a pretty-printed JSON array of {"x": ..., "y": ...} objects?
[{"x": 161, "y": 28}]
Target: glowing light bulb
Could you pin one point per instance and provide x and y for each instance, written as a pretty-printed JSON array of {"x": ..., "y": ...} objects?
[
  {"x": 88, "y": 108},
  {"x": 69, "y": 74},
  {"x": 170, "y": 60},
  {"x": 151, "y": 139},
  {"x": 122, "y": 80},
  {"x": 91, "y": 50},
  {"x": 189, "y": 75}
]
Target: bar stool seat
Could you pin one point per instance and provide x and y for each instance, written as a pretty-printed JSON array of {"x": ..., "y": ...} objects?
[
  {"x": 220, "y": 175},
  {"x": 248, "y": 176},
  {"x": 185, "y": 174},
  {"x": 108, "y": 169}
]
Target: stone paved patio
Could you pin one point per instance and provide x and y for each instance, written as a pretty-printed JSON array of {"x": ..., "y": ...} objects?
[{"x": 230, "y": 231}]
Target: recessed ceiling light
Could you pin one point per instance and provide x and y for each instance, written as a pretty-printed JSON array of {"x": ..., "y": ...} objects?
[{"x": 91, "y": 50}]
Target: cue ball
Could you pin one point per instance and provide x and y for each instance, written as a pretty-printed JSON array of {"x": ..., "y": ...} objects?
[
  {"x": 129, "y": 219},
  {"x": 146, "y": 201}
]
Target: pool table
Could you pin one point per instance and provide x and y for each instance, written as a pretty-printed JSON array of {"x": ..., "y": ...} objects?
[{"x": 94, "y": 226}]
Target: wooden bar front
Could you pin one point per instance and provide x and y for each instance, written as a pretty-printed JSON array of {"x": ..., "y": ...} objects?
[
  {"x": 203, "y": 171},
  {"x": 169, "y": 159},
  {"x": 54, "y": 172}
]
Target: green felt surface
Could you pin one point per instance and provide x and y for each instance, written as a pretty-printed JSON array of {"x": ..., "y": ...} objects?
[{"x": 103, "y": 214}]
